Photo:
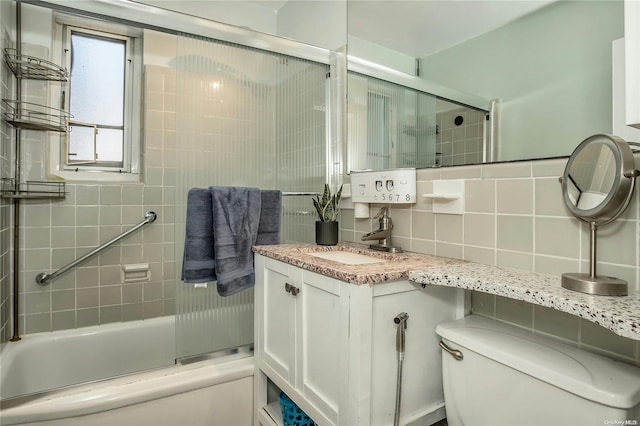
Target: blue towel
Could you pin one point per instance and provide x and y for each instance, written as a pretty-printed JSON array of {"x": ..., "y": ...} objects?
[
  {"x": 270, "y": 217},
  {"x": 198, "y": 263},
  {"x": 236, "y": 217}
]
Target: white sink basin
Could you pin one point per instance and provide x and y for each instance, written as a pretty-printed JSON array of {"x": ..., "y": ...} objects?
[{"x": 347, "y": 257}]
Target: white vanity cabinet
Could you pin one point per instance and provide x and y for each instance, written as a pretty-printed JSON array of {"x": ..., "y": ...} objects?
[{"x": 331, "y": 345}]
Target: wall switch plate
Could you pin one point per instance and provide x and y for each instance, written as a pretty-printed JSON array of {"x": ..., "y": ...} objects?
[{"x": 395, "y": 186}]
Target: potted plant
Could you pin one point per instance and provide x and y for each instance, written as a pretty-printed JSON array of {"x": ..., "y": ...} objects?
[{"x": 327, "y": 207}]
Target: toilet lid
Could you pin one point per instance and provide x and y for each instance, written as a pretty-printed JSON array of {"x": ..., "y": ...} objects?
[{"x": 591, "y": 376}]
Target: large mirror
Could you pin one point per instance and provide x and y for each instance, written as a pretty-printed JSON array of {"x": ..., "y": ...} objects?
[{"x": 547, "y": 65}]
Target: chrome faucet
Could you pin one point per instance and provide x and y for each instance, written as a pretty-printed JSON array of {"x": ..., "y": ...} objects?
[{"x": 382, "y": 234}]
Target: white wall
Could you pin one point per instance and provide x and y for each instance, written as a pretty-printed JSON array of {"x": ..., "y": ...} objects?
[
  {"x": 239, "y": 13},
  {"x": 316, "y": 22}
]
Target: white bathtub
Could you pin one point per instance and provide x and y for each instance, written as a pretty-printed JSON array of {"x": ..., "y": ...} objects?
[{"x": 211, "y": 392}]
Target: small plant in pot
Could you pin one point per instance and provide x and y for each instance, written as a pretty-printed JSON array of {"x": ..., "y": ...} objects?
[{"x": 327, "y": 206}]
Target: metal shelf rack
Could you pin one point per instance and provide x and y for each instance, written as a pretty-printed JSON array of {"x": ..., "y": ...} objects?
[
  {"x": 30, "y": 67},
  {"x": 30, "y": 116},
  {"x": 32, "y": 189}
]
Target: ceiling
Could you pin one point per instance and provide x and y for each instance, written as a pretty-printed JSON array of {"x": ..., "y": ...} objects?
[{"x": 421, "y": 27}]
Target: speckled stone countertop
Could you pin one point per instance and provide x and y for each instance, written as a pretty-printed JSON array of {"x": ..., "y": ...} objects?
[
  {"x": 392, "y": 266},
  {"x": 618, "y": 314},
  {"x": 621, "y": 315}
]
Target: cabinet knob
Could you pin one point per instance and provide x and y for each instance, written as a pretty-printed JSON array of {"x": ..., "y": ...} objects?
[{"x": 291, "y": 289}]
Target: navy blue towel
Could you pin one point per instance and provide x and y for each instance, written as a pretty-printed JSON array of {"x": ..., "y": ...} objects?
[
  {"x": 222, "y": 225},
  {"x": 270, "y": 217},
  {"x": 198, "y": 263},
  {"x": 236, "y": 217}
]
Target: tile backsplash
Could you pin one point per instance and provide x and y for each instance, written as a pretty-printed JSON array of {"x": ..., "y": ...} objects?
[{"x": 515, "y": 217}]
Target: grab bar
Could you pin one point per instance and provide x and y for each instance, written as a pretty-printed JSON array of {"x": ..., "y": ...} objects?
[{"x": 44, "y": 278}]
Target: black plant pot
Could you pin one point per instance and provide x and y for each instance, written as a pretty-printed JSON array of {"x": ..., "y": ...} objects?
[{"x": 326, "y": 233}]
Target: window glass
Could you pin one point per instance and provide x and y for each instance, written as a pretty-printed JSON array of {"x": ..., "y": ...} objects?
[
  {"x": 97, "y": 97},
  {"x": 97, "y": 79}
]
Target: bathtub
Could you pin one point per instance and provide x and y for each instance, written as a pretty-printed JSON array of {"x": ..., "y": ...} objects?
[{"x": 213, "y": 391}]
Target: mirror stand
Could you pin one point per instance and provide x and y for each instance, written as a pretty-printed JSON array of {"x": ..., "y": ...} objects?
[
  {"x": 591, "y": 283},
  {"x": 597, "y": 186}
]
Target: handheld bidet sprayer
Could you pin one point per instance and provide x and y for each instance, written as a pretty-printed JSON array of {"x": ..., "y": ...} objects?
[{"x": 401, "y": 325}]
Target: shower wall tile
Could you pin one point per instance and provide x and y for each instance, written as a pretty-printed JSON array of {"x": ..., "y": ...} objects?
[
  {"x": 63, "y": 320},
  {"x": 56, "y": 233},
  {"x": 7, "y": 156}
]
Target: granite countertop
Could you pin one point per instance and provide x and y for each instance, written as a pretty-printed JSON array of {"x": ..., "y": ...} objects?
[
  {"x": 621, "y": 315},
  {"x": 392, "y": 266}
]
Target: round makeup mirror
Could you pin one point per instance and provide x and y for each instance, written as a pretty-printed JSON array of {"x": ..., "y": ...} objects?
[{"x": 597, "y": 186}]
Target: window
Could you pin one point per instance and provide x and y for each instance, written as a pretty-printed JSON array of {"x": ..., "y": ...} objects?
[{"x": 103, "y": 98}]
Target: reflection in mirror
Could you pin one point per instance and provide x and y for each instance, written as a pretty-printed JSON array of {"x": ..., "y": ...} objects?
[
  {"x": 591, "y": 176},
  {"x": 391, "y": 126},
  {"x": 547, "y": 62}
]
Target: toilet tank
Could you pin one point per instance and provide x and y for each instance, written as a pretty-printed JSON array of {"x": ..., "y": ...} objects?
[{"x": 510, "y": 376}]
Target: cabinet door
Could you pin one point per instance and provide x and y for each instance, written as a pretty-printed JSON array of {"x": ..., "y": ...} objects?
[
  {"x": 278, "y": 327},
  {"x": 324, "y": 338}
]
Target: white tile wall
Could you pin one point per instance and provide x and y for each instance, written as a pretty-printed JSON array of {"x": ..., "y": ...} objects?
[
  {"x": 6, "y": 211},
  {"x": 57, "y": 232},
  {"x": 515, "y": 217}
]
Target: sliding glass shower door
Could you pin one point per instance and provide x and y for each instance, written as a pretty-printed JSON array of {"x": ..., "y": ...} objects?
[{"x": 244, "y": 117}]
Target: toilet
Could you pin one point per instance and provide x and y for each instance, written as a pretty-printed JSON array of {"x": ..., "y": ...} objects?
[{"x": 510, "y": 376}]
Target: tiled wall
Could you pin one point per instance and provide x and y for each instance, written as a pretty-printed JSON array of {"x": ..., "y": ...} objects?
[
  {"x": 6, "y": 211},
  {"x": 515, "y": 217},
  {"x": 458, "y": 144},
  {"x": 57, "y": 232}
]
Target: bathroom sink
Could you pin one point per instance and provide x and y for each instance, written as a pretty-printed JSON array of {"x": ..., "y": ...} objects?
[{"x": 347, "y": 257}]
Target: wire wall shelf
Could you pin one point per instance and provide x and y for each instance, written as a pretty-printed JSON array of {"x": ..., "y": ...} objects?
[
  {"x": 33, "y": 189},
  {"x": 30, "y": 67},
  {"x": 30, "y": 116}
]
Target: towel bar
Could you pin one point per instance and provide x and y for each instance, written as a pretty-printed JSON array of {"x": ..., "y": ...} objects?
[{"x": 286, "y": 194}]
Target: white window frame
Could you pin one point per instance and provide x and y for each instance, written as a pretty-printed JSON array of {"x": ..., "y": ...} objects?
[{"x": 132, "y": 150}]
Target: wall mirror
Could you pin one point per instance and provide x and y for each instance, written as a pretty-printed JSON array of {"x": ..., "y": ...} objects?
[
  {"x": 547, "y": 63},
  {"x": 597, "y": 186}
]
